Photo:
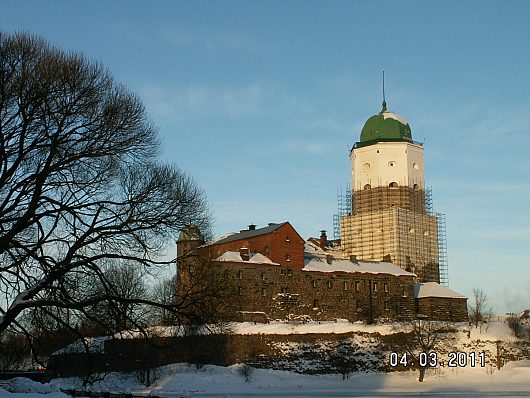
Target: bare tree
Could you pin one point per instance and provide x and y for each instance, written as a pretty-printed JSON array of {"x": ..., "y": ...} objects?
[
  {"x": 478, "y": 309},
  {"x": 80, "y": 184},
  {"x": 418, "y": 342},
  {"x": 14, "y": 352},
  {"x": 125, "y": 281},
  {"x": 165, "y": 292}
]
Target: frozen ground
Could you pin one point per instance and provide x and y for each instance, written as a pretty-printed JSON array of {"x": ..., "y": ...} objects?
[{"x": 183, "y": 380}]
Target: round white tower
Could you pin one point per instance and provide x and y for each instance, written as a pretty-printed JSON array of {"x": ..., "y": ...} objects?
[{"x": 386, "y": 156}]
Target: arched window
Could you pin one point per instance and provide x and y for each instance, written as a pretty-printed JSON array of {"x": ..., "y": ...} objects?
[
  {"x": 393, "y": 184},
  {"x": 367, "y": 186},
  {"x": 416, "y": 187}
]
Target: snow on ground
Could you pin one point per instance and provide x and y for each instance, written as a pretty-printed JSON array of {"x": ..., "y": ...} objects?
[
  {"x": 183, "y": 380},
  {"x": 278, "y": 327}
]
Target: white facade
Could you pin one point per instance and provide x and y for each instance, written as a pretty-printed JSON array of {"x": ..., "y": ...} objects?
[{"x": 383, "y": 163}]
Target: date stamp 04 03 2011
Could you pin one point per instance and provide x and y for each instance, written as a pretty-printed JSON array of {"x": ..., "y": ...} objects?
[{"x": 454, "y": 359}]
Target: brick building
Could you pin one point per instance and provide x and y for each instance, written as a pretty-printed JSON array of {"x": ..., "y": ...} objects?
[{"x": 274, "y": 274}]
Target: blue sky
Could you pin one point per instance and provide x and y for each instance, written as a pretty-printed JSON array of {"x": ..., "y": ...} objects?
[{"x": 261, "y": 101}]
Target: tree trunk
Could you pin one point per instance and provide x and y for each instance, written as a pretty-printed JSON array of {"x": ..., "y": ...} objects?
[{"x": 422, "y": 374}]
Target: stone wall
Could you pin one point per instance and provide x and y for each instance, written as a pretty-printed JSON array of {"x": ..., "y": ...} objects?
[
  {"x": 441, "y": 308},
  {"x": 283, "y": 293}
]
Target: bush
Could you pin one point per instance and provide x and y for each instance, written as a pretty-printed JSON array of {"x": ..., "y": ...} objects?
[{"x": 246, "y": 371}]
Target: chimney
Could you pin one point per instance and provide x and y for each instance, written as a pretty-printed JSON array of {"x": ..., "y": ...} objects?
[
  {"x": 252, "y": 227},
  {"x": 323, "y": 239},
  {"x": 244, "y": 253}
]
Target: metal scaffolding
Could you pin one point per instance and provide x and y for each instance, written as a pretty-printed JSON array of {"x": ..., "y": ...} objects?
[{"x": 373, "y": 223}]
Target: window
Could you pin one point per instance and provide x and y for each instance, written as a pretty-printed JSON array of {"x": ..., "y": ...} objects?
[
  {"x": 263, "y": 276},
  {"x": 289, "y": 272},
  {"x": 287, "y": 257},
  {"x": 266, "y": 250},
  {"x": 391, "y": 164},
  {"x": 330, "y": 284},
  {"x": 416, "y": 187},
  {"x": 393, "y": 184},
  {"x": 358, "y": 305},
  {"x": 263, "y": 291},
  {"x": 415, "y": 166},
  {"x": 387, "y": 305},
  {"x": 285, "y": 290},
  {"x": 367, "y": 186},
  {"x": 404, "y": 293},
  {"x": 345, "y": 285},
  {"x": 282, "y": 271},
  {"x": 315, "y": 283},
  {"x": 239, "y": 291},
  {"x": 225, "y": 274},
  {"x": 385, "y": 287},
  {"x": 375, "y": 287},
  {"x": 366, "y": 166},
  {"x": 239, "y": 274},
  {"x": 357, "y": 286},
  {"x": 316, "y": 304},
  {"x": 287, "y": 240}
]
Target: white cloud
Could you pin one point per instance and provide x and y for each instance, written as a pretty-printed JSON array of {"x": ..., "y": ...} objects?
[
  {"x": 213, "y": 40},
  {"x": 200, "y": 100}
]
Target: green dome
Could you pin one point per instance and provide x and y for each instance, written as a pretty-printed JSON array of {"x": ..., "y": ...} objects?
[{"x": 386, "y": 126}]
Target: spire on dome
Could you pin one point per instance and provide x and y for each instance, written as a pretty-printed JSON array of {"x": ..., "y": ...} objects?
[{"x": 384, "y": 102}]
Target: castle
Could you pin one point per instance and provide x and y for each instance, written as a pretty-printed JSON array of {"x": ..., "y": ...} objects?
[{"x": 388, "y": 263}]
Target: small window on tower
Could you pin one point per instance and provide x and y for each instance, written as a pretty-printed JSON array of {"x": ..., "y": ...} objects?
[
  {"x": 391, "y": 164},
  {"x": 416, "y": 187},
  {"x": 415, "y": 166},
  {"x": 393, "y": 184},
  {"x": 366, "y": 166},
  {"x": 367, "y": 186}
]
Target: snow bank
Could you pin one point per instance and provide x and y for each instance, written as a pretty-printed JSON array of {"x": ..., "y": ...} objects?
[
  {"x": 181, "y": 380},
  {"x": 21, "y": 387}
]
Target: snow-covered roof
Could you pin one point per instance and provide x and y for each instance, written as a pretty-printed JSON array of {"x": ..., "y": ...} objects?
[
  {"x": 255, "y": 258},
  {"x": 219, "y": 238},
  {"x": 391, "y": 115},
  {"x": 313, "y": 248},
  {"x": 314, "y": 263},
  {"x": 433, "y": 289}
]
